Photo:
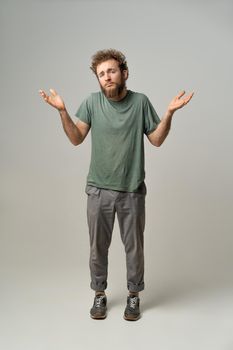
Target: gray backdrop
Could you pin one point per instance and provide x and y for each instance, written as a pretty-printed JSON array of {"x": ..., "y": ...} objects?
[{"x": 170, "y": 46}]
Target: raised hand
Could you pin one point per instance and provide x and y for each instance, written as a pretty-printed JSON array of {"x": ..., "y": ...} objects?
[
  {"x": 54, "y": 99},
  {"x": 178, "y": 102}
]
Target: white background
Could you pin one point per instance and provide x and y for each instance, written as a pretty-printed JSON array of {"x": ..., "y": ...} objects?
[{"x": 45, "y": 294}]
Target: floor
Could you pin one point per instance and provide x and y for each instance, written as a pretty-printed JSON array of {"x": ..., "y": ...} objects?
[{"x": 46, "y": 310}]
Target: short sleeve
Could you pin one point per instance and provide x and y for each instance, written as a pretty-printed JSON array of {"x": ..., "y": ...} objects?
[
  {"x": 84, "y": 111},
  {"x": 151, "y": 118}
]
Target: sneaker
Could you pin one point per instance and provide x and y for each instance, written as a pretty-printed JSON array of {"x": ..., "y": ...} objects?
[
  {"x": 99, "y": 308},
  {"x": 132, "y": 311}
]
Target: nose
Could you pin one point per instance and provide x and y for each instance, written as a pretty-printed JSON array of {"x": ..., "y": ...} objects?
[{"x": 107, "y": 76}]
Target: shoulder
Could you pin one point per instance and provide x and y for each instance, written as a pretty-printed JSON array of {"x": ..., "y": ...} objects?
[
  {"x": 90, "y": 101},
  {"x": 95, "y": 96},
  {"x": 139, "y": 97},
  {"x": 92, "y": 97}
]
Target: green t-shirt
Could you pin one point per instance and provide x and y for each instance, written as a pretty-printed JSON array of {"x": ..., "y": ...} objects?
[{"x": 117, "y": 132}]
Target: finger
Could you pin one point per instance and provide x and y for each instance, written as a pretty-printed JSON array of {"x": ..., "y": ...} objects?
[
  {"x": 53, "y": 92},
  {"x": 42, "y": 93},
  {"x": 188, "y": 98},
  {"x": 181, "y": 94},
  {"x": 191, "y": 95}
]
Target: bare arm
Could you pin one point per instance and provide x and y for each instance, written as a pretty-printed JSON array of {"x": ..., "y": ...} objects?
[
  {"x": 158, "y": 136},
  {"x": 75, "y": 132}
]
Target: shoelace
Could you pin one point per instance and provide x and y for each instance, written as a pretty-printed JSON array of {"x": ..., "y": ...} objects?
[
  {"x": 133, "y": 302},
  {"x": 98, "y": 300}
]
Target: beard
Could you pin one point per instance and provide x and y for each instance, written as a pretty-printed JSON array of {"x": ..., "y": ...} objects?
[{"x": 115, "y": 90}]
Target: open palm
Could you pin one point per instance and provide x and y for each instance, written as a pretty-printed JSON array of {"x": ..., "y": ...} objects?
[
  {"x": 178, "y": 102},
  {"x": 54, "y": 99}
]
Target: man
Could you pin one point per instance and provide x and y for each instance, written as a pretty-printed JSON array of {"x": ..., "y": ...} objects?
[{"x": 118, "y": 119}]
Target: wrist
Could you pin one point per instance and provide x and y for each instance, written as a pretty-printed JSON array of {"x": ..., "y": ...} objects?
[
  {"x": 62, "y": 110},
  {"x": 169, "y": 113}
]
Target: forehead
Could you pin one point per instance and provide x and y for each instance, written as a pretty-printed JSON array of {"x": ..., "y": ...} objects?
[{"x": 104, "y": 66}]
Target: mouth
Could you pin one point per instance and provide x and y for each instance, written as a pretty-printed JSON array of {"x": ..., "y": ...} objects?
[{"x": 109, "y": 84}]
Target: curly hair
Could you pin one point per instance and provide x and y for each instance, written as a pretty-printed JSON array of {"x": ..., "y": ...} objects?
[{"x": 104, "y": 55}]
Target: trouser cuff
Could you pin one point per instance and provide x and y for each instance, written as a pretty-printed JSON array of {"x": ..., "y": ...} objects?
[
  {"x": 98, "y": 286},
  {"x": 135, "y": 287}
]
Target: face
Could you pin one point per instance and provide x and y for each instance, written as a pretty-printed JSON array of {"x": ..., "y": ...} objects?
[{"x": 111, "y": 78}]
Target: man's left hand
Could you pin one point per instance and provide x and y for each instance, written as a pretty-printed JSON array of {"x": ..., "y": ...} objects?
[{"x": 178, "y": 102}]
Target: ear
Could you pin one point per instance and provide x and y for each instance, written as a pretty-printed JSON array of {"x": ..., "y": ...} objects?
[{"x": 125, "y": 74}]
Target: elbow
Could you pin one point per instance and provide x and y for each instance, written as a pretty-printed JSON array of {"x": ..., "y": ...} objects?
[
  {"x": 76, "y": 142},
  {"x": 157, "y": 142}
]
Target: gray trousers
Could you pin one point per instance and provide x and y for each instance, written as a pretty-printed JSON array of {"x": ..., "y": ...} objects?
[{"x": 102, "y": 205}]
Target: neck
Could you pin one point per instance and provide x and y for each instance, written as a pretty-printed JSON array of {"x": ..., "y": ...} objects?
[{"x": 120, "y": 96}]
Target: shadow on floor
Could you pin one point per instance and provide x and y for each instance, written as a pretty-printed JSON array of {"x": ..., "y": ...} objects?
[{"x": 174, "y": 293}]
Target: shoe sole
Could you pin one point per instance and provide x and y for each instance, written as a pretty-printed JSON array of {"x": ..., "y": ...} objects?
[
  {"x": 127, "y": 318},
  {"x": 98, "y": 317}
]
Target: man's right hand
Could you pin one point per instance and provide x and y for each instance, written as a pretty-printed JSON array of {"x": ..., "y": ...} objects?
[{"x": 54, "y": 99}]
